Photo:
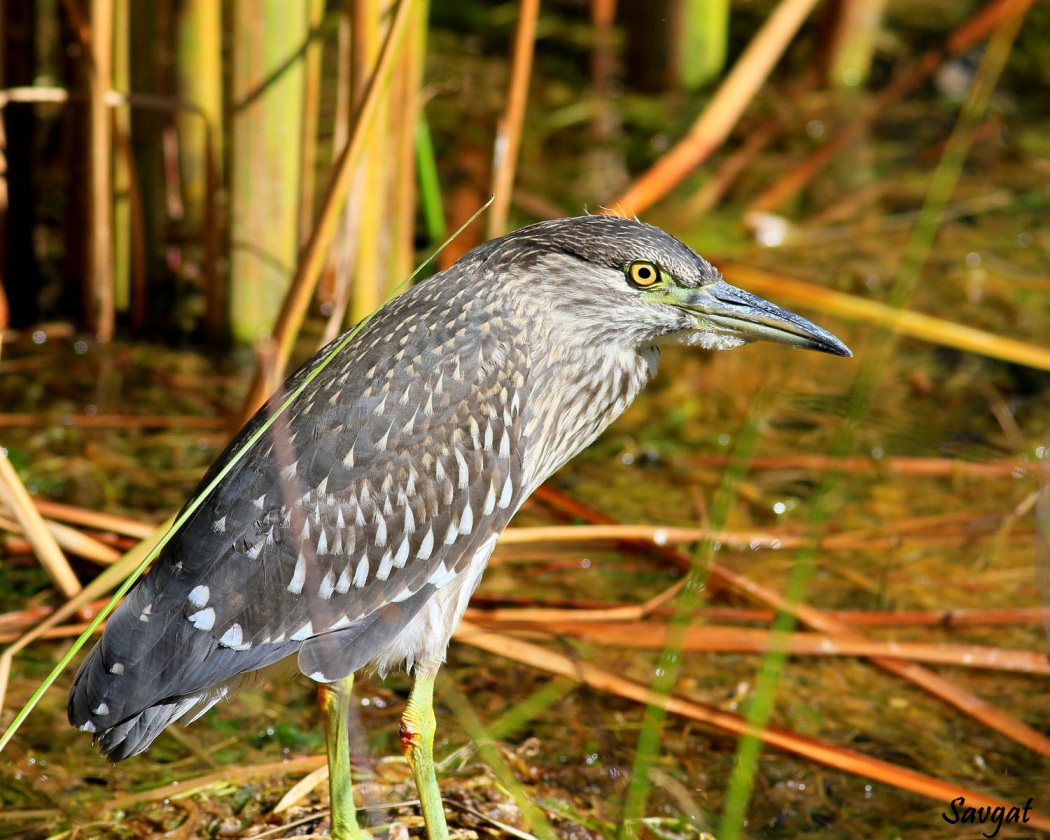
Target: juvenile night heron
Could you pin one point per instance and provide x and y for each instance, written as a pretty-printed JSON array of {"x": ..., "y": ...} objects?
[{"x": 353, "y": 533}]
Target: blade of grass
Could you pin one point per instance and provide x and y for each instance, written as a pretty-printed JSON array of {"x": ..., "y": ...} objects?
[{"x": 670, "y": 660}]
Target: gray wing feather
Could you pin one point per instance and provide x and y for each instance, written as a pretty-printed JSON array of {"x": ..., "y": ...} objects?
[{"x": 403, "y": 458}]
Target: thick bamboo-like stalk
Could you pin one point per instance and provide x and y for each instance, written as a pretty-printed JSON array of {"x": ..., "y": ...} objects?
[
  {"x": 700, "y": 39},
  {"x": 311, "y": 110},
  {"x": 99, "y": 235},
  {"x": 267, "y": 146},
  {"x": 370, "y": 194},
  {"x": 121, "y": 160},
  {"x": 334, "y": 284},
  {"x": 199, "y": 82},
  {"x": 404, "y": 122},
  {"x": 293, "y": 309},
  {"x": 854, "y": 30}
]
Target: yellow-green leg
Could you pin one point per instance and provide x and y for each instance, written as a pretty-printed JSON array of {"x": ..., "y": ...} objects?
[
  {"x": 335, "y": 705},
  {"x": 417, "y": 742}
]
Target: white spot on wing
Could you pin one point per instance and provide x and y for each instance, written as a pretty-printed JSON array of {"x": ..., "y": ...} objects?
[
  {"x": 234, "y": 638},
  {"x": 147, "y": 611},
  {"x": 464, "y": 472},
  {"x": 466, "y": 520},
  {"x": 411, "y": 424},
  {"x": 402, "y": 554},
  {"x": 199, "y": 596},
  {"x": 327, "y": 587},
  {"x": 442, "y": 575},
  {"x": 219, "y": 525},
  {"x": 295, "y": 585},
  {"x": 361, "y": 575},
  {"x": 203, "y": 620},
  {"x": 385, "y": 566},
  {"x": 303, "y": 633},
  {"x": 254, "y": 552},
  {"x": 117, "y": 668},
  {"x": 427, "y": 545},
  {"x": 102, "y": 710},
  {"x": 380, "y": 535},
  {"x": 508, "y": 492},
  {"x": 403, "y": 595}
]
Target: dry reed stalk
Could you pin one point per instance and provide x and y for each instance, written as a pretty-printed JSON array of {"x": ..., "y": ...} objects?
[
  {"x": 810, "y": 748},
  {"x": 369, "y": 194},
  {"x": 713, "y": 126},
  {"x": 16, "y": 498},
  {"x": 404, "y": 120},
  {"x": 71, "y": 540},
  {"x": 508, "y": 129},
  {"x": 224, "y": 778},
  {"x": 905, "y": 322},
  {"x": 860, "y": 465},
  {"x": 314, "y": 12},
  {"x": 115, "y": 421},
  {"x": 975, "y": 29},
  {"x": 95, "y": 519},
  {"x": 951, "y": 693},
  {"x": 735, "y": 164},
  {"x": 650, "y": 635},
  {"x": 66, "y": 631}
]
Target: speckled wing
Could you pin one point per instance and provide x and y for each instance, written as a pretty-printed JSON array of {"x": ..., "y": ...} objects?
[{"x": 375, "y": 489}]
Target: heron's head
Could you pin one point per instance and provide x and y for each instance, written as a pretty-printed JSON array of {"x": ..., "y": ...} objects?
[{"x": 606, "y": 278}]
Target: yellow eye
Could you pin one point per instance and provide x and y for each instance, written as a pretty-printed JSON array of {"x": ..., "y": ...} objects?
[{"x": 643, "y": 274}]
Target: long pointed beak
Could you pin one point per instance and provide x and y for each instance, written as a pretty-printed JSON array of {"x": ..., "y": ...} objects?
[{"x": 725, "y": 307}]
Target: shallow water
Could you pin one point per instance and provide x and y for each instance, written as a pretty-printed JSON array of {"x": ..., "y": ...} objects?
[{"x": 948, "y": 541}]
